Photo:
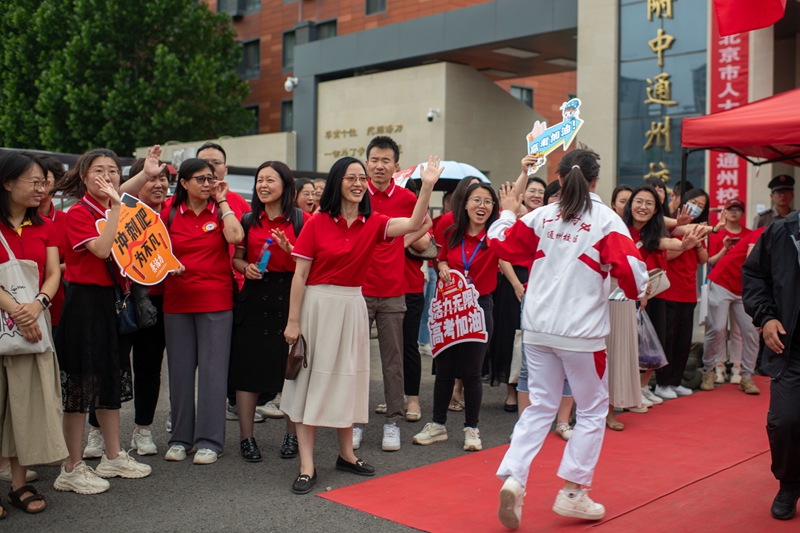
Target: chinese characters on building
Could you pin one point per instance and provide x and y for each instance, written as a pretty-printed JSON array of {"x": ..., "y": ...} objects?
[
  {"x": 352, "y": 133},
  {"x": 455, "y": 315}
]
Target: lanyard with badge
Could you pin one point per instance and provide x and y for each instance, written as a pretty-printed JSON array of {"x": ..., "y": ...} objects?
[{"x": 471, "y": 259}]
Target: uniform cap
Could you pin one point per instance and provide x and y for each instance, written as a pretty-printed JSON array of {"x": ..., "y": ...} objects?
[
  {"x": 784, "y": 182},
  {"x": 734, "y": 202}
]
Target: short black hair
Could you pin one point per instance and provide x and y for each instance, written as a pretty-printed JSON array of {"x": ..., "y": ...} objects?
[
  {"x": 215, "y": 146},
  {"x": 189, "y": 167},
  {"x": 553, "y": 188},
  {"x": 331, "y": 200},
  {"x": 383, "y": 141}
]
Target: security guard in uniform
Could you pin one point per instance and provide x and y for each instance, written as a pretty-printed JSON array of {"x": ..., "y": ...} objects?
[{"x": 782, "y": 194}]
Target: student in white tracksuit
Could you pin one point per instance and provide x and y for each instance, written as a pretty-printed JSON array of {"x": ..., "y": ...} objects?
[{"x": 575, "y": 245}]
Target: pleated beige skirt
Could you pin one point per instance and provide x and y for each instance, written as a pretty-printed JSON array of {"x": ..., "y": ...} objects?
[
  {"x": 30, "y": 409},
  {"x": 622, "y": 346},
  {"x": 334, "y": 390}
]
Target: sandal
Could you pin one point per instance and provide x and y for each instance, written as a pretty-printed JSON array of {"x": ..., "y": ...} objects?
[
  {"x": 15, "y": 499},
  {"x": 456, "y": 406},
  {"x": 616, "y": 425}
]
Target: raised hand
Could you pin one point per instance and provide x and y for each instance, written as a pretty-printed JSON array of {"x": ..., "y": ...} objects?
[
  {"x": 220, "y": 190},
  {"x": 683, "y": 217},
  {"x": 282, "y": 241},
  {"x": 694, "y": 238},
  {"x": 152, "y": 167},
  {"x": 528, "y": 161},
  {"x": 509, "y": 199},
  {"x": 432, "y": 171},
  {"x": 107, "y": 189}
]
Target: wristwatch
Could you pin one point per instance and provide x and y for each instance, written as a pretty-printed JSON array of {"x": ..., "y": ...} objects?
[{"x": 44, "y": 301}]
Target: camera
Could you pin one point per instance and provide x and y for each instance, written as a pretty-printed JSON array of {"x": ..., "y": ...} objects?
[
  {"x": 290, "y": 84},
  {"x": 433, "y": 112}
]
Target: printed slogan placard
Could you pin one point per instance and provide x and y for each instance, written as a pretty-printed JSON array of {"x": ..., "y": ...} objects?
[
  {"x": 142, "y": 247},
  {"x": 561, "y": 134},
  {"x": 455, "y": 315}
]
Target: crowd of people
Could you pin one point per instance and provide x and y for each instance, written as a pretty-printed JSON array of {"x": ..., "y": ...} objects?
[{"x": 324, "y": 260}]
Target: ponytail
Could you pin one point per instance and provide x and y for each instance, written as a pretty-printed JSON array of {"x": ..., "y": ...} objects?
[{"x": 578, "y": 169}]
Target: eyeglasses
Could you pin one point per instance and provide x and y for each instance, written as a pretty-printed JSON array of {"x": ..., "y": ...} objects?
[
  {"x": 477, "y": 202},
  {"x": 536, "y": 192},
  {"x": 307, "y": 194},
  {"x": 99, "y": 173},
  {"x": 37, "y": 184},
  {"x": 355, "y": 179},
  {"x": 202, "y": 179},
  {"x": 215, "y": 162}
]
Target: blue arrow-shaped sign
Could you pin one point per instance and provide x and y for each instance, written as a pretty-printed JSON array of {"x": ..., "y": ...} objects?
[{"x": 562, "y": 133}]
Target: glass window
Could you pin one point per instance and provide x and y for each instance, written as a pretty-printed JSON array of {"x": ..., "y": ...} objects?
[
  {"x": 238, "y": 7},
  {"x": 254, "y": 128},
  {"x": 376, "y": 6},
  {"x": 287, "y": 115},
  {"x": 523, "y": 94},
  {"x": 251, "y": 62},
  {"x": 288, "y": 50},
  {"x": 326, "y": 30}
]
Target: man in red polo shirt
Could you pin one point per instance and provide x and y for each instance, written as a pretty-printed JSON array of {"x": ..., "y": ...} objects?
[{"x": 385, "y": 286}]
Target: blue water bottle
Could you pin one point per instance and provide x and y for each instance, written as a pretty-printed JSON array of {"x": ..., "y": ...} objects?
[{"x": 262, "y": 263}]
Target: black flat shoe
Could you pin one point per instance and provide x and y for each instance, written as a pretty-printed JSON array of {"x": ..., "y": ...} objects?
[
  {"x": 289, "y": 448},
  {"x": 510, "y": 408},
  {"x": 360, "y": 468},
  {"x": 303, "y": 484},
  {"x": 249, "y": 450},
  {"x": 784, "y": 506}
]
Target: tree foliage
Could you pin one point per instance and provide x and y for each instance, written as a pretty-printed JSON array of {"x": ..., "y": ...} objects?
[{"x": 77, "y": 74}]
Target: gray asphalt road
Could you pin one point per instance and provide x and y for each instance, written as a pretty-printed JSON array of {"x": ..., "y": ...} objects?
[{"x": 235, "y": 496}]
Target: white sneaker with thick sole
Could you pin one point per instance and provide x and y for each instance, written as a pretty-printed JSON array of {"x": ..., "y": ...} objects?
[
  {"x": 277, "y": 400},
  {"x": 123, "y": 466},
  {"x": 391, "y": 438},
  {"x": 204, "y": 456},
  {"x": 270, "y": 410},
  {"x": 564, "y": 431},
  {"x": 581, "y": 506},
  {"x": 358, "y": 433},
  {"x": 472, "y": 440},
  {"x": 680, "y": 390},
  {"x": 82, "y": 480},
  {"x": 641, "y": 409},
  {"x": 646, "y": 402},
  {"x": 142, "y": 442},
  {"x": 510, "y": 510},
  {"x": 5, "y": 474},
  {"x": 425, "y": 349},
  {"x": 380, "y": 409},
  {"x": 430, "y": 434},
  {"x": 736, "y": 374},
  {"x": 95, "y": 445},
  {"x": 665, "y": 392},
  {"x": 721, "y": 375},
  {"x": 648, "y": 395},
  {"x": 177, "y": 452}
]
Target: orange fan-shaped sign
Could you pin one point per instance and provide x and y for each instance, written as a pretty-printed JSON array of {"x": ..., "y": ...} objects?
[{"x": 142, "y": 247}]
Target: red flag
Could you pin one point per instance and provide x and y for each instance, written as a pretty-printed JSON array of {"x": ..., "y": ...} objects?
[{"x": 737, "y": 16}]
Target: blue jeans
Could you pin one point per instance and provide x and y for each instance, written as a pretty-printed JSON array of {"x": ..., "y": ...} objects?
[{"x": 424, "y": 336}]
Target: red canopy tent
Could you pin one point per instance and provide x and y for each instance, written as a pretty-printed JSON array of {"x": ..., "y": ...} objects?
[{"x": 766, "y": 131}]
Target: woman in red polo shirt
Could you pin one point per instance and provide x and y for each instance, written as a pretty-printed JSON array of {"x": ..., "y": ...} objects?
[
  {"x": 30, "y": 413},
  {"x": 258, "y": 353},
  {"x": 93, "y": 356},
  {"x": 198, "y": 316},
  {"x": 327, "y": 307},
  {"x": 466, "y": 250}
]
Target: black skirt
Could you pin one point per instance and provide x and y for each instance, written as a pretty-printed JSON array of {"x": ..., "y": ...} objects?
[
  {"x": 259, "y": 351},
  {"x": 507, "y": 322},
  {"x": 94, "y": 358}
]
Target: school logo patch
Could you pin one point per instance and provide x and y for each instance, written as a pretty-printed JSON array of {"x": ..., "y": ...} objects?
[{"x": 211, "y": 226}]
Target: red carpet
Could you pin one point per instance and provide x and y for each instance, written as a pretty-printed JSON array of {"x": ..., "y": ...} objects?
[{"x": 696, "y": 463}]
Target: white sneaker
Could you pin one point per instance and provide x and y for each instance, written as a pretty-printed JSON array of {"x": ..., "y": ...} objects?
[
  {"x": 95, "y": 445},
  {"x": 425, "y": 349},
  {"x": 142, "y": 442},
  {"x": 646, "y": 402},
  {"x": 123, "y": 466},
  {"x": 581, "y": 506},
  {"x": 641, "y": 409},
  {"x": 665, "y": 392},
  {"x": 277, "y": 400},
  {"x": 472, "y": 440},
  {"x": 510, "y": 510},
  {"x": 177, "y": 452},
  {"x": 721, "y": 375},
  {"x": 563, "y": 431},
  {"x": 648, "y": 395},
  {"x": 231, "y": 411},
  {"x": 680, "y": 390},
  {"x": 357, "y": 434},
  {"x": 5, "y": 474},
  {"x": 736, "y": 374},
  {"x": 269, "y": 410},
  {"x": 431, "y": 433},
  {"x": 380, "y": 409},
  {"x": 169, "y": 422},
  {"x": 391, "y": 438},
  {"x": 82, "y": 480},
  {"x": 204, "y": 456}
]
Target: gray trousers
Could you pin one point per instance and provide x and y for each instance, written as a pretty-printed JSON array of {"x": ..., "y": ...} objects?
[
  {"x": 201, "y": 343},
  {"x": 721, "y": 303},
  {"x": 388, "y": 314}
]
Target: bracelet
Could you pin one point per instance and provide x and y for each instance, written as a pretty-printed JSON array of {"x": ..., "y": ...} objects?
[
  {"x": 46, "y": 296},
  {"x": 226, "y": 214},
  {"x": 699, "y": 246},
  {"x": 226, "y": 201}
]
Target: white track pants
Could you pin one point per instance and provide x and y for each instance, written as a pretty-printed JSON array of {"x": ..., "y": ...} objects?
[
  {"x": 588, "y": 378},
  {"x": 723, "y": 304}
]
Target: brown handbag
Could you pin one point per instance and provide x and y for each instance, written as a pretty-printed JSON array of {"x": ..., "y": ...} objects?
[{"x": 297, "y": 358}]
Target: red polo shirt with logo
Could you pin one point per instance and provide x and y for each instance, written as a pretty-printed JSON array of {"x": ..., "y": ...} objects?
[
  {"x": 340, "y": 254},
  {"x": 386, "y": 271},
  {"x": 482, "y": 269},
  {"x": 256, "y": 237},
  {"x": 206, "y": 285},
  {"x": 30, "y": 243},
  {"x": 82, "y": 265}
]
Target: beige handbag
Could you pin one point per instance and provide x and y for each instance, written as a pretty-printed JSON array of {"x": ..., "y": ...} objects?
[
  {"x": 19, "y": 278},
  {"x": 659, "y": 282}
]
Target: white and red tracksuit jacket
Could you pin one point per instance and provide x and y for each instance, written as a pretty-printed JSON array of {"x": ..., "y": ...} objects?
[{"x": 566, "y": 302}]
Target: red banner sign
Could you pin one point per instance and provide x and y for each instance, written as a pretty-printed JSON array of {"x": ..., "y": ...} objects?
[
  {"x": 455, "y": 315},
  {"x": 728, "y": 68}
]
